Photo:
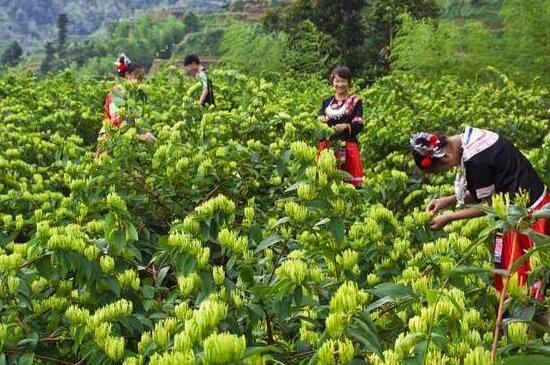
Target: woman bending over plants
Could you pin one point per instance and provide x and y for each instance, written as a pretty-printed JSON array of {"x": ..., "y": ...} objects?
[
  {"x": 116, "y": 99},
  {"x": 489, "y": 164},
  {"x": 344, "y": 113}
]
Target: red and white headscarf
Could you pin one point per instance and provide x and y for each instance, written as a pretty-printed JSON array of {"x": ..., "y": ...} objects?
[{"x": 427, "y": 145}]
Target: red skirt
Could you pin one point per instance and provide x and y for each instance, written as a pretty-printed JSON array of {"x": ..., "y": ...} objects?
[
  {"x": 503, "y": 255},
  {"x": 349, "y": 160}
]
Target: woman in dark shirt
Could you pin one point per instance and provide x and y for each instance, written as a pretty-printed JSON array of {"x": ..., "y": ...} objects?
[
  {"x": 344, "y": 113},
  {"x": 489, "y": 164}
]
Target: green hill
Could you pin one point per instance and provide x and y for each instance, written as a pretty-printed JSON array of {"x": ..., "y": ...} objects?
[{"x": 30, "y": 22}]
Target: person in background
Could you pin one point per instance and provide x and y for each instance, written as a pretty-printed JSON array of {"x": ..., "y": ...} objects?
[
  {"x": 193, "y": 65},
  {"x": 344, "y": 113},
  {"x": 489, "y": 164},
  {"x": 131, "y": 72}
]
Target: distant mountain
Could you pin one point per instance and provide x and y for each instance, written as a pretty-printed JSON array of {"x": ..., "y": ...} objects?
[{"x": 32, "y": 21}]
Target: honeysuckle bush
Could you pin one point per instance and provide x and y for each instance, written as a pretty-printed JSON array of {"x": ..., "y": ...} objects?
[{"x": 232, "y": 240}]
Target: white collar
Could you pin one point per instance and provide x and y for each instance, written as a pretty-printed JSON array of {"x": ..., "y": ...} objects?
[{"x": 476, "y": 140}]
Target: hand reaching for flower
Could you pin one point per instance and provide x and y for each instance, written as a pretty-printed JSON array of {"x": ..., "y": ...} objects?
[{"x": 147, "y": 137}]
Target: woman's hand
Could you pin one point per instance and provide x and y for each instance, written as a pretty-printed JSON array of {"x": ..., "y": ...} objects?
[
  {"x": 147, "y": 137},
  {"x": 439, "y": 204},
  {"x": 439, "y": 222},
  {"x": 341, "y": 127}
]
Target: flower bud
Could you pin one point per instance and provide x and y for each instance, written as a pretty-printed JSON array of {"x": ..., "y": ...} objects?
[
  {"x": 335, "y": 324},
  {"x": 478, "y": 356},
  {"x": 114, "y": 348},
  {"x": 326, "y": 162},
  {"x": 345, "y": 351},
  {"x": 302, "y": 152},
  {"x": 296, "y": 212},
  {"x": 325, "y": 354},
  {"x": 129, "y": 279},
  {"x": 172, "y": 358},
  {"x": 517, "y": 333},
  {"x": 347, "y": 299},
  {"x": 223, "y": 348},
  {"x": 218, "y": 274},
  {"x": 107, "y": 264},
  {"x": 116, "y": 203},
  {"x": 92, "y": 252},
  {"x": 145, "y": 341}
]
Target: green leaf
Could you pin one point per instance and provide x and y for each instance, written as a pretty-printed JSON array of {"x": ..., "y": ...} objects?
[
  {"x": 467, "y": 270},
  {"x": 31, "y": 341},
  {"x": 421, "y": 349},
  {"x": 523, "y": 312},
  {"x": 268, "y": 242},
  {"x": 281, "y": 221},
  {"x": 294, "y": 187},
  {"x": 527, "y": 359},
  {"x": 338, "y": 229},
  {"x": 109, "y": 224},
  {"x": 113, "y": 285},
  {"x": 26, "y": 359},
  {"x": 247, "y": 275},
  {"x": 320, "y": 204},
  {"x": 131, "y": 233},
  {"x": 379, "y": 303},
  {"x": 161, "y": 275},
  {"x": 322, "y": 222},
  {"x": 148, "y": 291},
  {"x": 431, "y": 296},
  {"x": 394, "y": 291},
  {"x": 367, "y": 341}
]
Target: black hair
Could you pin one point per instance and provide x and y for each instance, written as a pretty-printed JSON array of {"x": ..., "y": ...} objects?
[
  {"x": 341, "y": 71},
  {"x": 428, "y": 163},
  {"x": 191, "y": 59}
]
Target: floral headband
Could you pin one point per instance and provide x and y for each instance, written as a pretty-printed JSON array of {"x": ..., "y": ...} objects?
[
  {"x": 122, "y": 64},
  {"x": 427, "y": 145}
]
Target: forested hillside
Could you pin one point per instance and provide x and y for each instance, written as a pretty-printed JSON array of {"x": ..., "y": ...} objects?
[{"x": 32, "y": 21}]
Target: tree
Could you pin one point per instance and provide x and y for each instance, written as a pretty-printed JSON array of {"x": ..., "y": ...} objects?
[
  {"x": 247, "y": 49},
  {"x": 48, "y": 58},
  {"x": 311, "y": 51},
  {"x": 62, "y": 22},
  {"x": 343, "y": 20},
  {"x": 191, "y": 23},
  {"x": 383, "y": 22},
  {"x": 11, "y": 55},
  {"x": 273, "y": 20}
]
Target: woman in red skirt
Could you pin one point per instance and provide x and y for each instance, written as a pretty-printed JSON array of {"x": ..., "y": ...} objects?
[
  {"x": 344, "y": 113},
  {"x": 489, "y": 164}
]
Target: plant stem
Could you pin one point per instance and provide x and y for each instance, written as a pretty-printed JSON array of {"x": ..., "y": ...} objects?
[{"x": 40, "y": 357}]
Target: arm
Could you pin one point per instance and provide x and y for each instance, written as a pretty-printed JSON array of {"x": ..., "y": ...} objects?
[
  {"x": 204, "y": 81},
  {"x": 204, "y": 94},
  {"x": 441, "y": 221},
  {"x": 448, "y": 201}
]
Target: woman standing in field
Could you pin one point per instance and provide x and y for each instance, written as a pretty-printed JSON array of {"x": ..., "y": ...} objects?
[
  {"x": 489, "y": 164},
  {"x": 344, "y": 113}
]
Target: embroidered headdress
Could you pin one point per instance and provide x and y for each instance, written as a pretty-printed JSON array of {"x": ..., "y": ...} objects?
[{"x": 428, "y": 145}]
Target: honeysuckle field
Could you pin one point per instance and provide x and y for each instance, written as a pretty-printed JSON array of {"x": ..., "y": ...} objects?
[{"x": 229, "y": 241}]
